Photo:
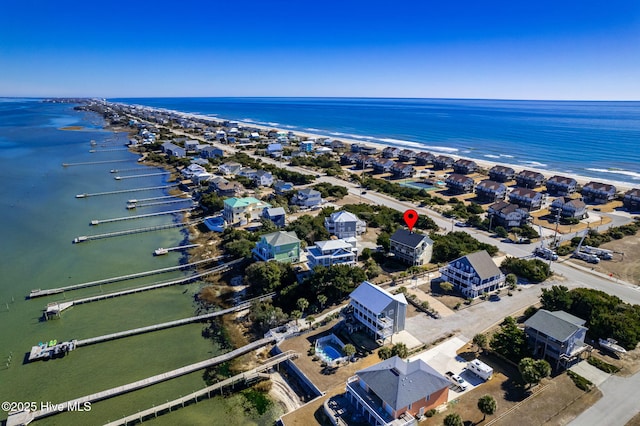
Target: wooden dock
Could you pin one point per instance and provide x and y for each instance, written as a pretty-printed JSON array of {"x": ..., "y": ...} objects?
[
  {"x": 255, "y": 373},
  {"x": 90, "y": 163},
  {"x": 26, "y": 417},
  {"x": 161, "y": 251},
  {"x": 174, "y": 200},
  {"x": 141, "y": 176},
  {"x": 182, "y": 195},
  {"x": 40, "y": 293},
  {"x": 84, "y": 238},
  {"x": 132, "y": 169},
  {"x": 122, "y": 191},
  {"x": 96, "y": 222},
  {"x": 94, "y": 151}
]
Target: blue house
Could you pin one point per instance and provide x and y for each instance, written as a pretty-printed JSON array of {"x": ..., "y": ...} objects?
[
  {"x": 276, "y": 215},
  {"x": 274, "y": 149}
]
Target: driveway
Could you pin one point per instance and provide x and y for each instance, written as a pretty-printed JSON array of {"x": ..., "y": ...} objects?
[{"x": 591, "y": 373}]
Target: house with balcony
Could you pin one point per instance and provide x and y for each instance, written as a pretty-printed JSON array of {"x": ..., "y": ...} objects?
[
  {"x": 307, "y": 198},
  {"x": 307, "y": 146},
  {"x": 280, "y": 246},
  {"x": 263, "y": 178},
  {"x": 464, "y": 167},
  {"x": 281, "y": 187},
  {"x": 568, "y": 208},
  {"x": 402, "y": 170},
  {"x": 529, "y": 179},
  {"x": 598, "y": 193},
  {"x": 349, "y": 158},
  {"x": 173, "y": 150},
  {"x": 500, "y": 173},
  {"x": 211, "y": 152},
  {"x": 248, "y": 172},
  {"x": 491, "y": 191},
  {"x": 276, "y": 215},
  {"x": 411, "y": 248},
  {"x": 631, "y": 200},
  {"x": 424, "y": 158},
  {"x": 390, "y": 152},
  {"x": 246, "y": 209},
  {"x": 442, "y": 162},
  {"x": 364, "y": 161},
  {"x": 274, "y": 150},
  {"x": 395, "y": 392},
  {"x": 526, "y": 198},
  {"x": 225, "y": 188},
  {"x": 406, "y": 155},
  {"x": 229, "y": 168},
  {"x": 561, "y": 185},
  {"x": 382, "y": 165},
  {"x": 343, "y": 224},
  {"x": 507, "y": 215},
  {"x": 332, "y": 252},
  {"x": 459, "y": 184},
  {"x": 474, "y": 274},
  {"x": 378, "y": 311},
  {"x": 557, "y": 337}
]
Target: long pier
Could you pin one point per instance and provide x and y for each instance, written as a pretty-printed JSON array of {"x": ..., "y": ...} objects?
[
  {"x": 96, "y": 222},
  {"x": 89, "y": 163},
  {"x": 84, "y": 238},
  {"x": 175, "y": 200},
  {"x": 141, "y": 330},
  {"x": 26, "y": 417},
  {"x": 122, "y": 191},
  {"x": 197, "y": 395},
  {"x": 133, "y": 169},
  {"x": 55, "y": 308},
  {"x": 162, "y": 197},
  {"x": 160, "y": 251},
  {"x": 40, "y": 293},
  {"x": 93, "y": 151},
  {"x": 141, "y": 176}
]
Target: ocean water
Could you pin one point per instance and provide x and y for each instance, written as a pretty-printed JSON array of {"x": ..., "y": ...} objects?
[
  {"x": 598, "y": 140},
  {"x": 39, "y": 217}
]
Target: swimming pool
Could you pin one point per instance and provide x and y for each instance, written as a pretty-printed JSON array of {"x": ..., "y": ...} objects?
[
  {"x": 329, "y": 353},
  {"x": 418, "y": 185},
  {"x": 329, "y": 349}
]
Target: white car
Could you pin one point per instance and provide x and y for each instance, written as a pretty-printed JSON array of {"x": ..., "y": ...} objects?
[{"x": 457, "y": 380}]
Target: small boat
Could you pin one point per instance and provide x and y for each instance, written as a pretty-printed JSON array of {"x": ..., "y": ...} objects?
[
  {"x": 77, "y": 240},
  {"x": 160, "y": 251},
  {"x": 611, "y": 345}
]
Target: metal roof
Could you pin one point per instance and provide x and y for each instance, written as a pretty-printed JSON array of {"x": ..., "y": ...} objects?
[
  {"x": 374, "y": 297},
  {"x": 410, "y": 239},
  {"x": 559, "y": 325}
]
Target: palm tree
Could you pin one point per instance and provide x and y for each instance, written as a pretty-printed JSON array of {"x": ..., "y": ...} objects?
[
  {"x": 302, "y": 304},
  {"x": 480, "y": 340},
  {"x": 487, "y": 405},
  {"x": 349, "y": 350},
  {"x": 322, "y": 299},
  {"x": 296, "y": 315}
]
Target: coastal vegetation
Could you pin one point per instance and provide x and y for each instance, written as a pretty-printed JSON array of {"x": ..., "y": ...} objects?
[
  {"x": 510, "y": 341},
  {"x": 402, "y": 193},
  {"x": 533, "y": 270},
  {"x": 386, "y": 218},
  {"x": 456, "y": 244},
  {"x": 325, "y": 162}
]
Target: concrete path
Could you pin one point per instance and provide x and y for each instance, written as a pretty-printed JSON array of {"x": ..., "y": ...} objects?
[{"x": 591, "y": 373}]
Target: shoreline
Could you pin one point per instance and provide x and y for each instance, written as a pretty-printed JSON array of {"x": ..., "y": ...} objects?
[{"x": 621, "y": 186}]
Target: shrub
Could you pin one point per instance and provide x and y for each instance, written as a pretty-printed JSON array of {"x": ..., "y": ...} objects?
[
  {"x": 604, "y": 366},
  {"x": 579, "y": 381},
  {"x": 430, "y": 413}
]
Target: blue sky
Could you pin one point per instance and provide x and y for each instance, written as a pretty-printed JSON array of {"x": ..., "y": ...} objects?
[{"x": 453, "y": 49}]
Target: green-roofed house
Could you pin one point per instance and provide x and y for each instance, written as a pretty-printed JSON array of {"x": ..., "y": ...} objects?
[
  {"x": 236, "y": 209},
  {"x": 281, "y": 246}
]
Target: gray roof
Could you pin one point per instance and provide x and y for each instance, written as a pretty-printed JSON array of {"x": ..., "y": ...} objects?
[
  {"x": 482, "y": 263},
  {"x": 280, "y": 238},
  {"x": 275, "y": 211},
  {"x": 400, "y": 383},
  {"x": 374, "y": 297},
  {"x": 558, "y": 324},
  {"x": 410, "y": 239}
]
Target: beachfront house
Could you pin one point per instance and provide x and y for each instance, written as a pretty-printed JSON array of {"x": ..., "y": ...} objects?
[
  {"x": 491, "y": 191},
  {"x": 390, "y": 152},
  {"x": 307, "y": 198},
  {"x": 507, "y": 215},
  {"x": 557, "y": 337},
  {"x": 424, "y": 158},
  {"x": 344, "y": 224},
  {"x": 459, "y": 184},
  {"x": 306, "y": 146},
  {"x": 368, "y": 150},
  {"x": 474, "y": 274},
  {"x": 442, "y": 162},
  {"x": 526, "y": 198},
  {"x": 230, "y": 168},
  {"x": 281, "y": 187},
  {"x": 380, "y": 312},
  {"x": 402, "y": 170},
  {"x": 464, "y": 167},
  {"x": 276, "y": 215},
  {"x": 242, "y": 210},
  {"x": 411, "y": 248},
  {"x": 395, "y": 392},
  {"x": 382, "y": 165},
  {"x": 598, "y": 193},
  {"x": 323, "y": 150},
  {"x": 364, "y": 161},
  {"x": 500, "y": 173},
  {"x": 561, "y": 185},
  {"x": 529, "y": 179},
  {"x": 332, "y": 252},
  {"x": 631, "y": 200},
  {"x": 568, "y": 208},
  {"x": 263, "y": 178},
  {"x": 406, "y": 155},
  {"x": 348, "y": 158},
  {"x": 280, "y": 246}
]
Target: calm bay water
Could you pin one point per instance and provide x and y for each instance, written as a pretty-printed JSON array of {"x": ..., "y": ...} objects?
[
  {"x": 594, "y": 139},
  {"x": 39, "y": 218}
]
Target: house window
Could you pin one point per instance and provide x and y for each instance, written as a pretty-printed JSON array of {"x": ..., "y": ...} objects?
[{"x": 390, "y": 311}]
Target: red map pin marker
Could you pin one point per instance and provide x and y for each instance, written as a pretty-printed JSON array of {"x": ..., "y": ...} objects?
[{"x": 410, "y": 218}]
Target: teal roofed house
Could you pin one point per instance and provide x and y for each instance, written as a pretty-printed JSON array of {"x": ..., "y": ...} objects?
[
  {"x": 237, "y": 209},
  {"x": 280, "y": 246}
]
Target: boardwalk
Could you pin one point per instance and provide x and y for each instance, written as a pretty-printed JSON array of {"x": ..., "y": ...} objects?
[
  {"x": 122, "y": 191},
  {"x": 40, "y": 293},
  {"x": 96, "y": 222},
  {"x": 27, "y": 417}
]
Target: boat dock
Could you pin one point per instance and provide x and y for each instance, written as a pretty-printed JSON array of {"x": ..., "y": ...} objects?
[
  {"x": 26, "y": 417},
  {"x": 133, "y": 169},
  {"x": 161, "y": 251},
  {"x": 40, "y": 293},
  {"x": 122, "y": 191},
  {"x": 84, "y": 238},
  {"x": 93, "y": 151},
  {"x": 55, "y": 308},
  {"x": 51, "y": 349},
  {"x": 186, "y": 196},
  {"x": 141, "y": 175},
  {"x": 194, "y": 397},
  {"x": 96, "y": 222},
  {"x": 90, "y": 163},
  {"x": 174, "y": 200}
]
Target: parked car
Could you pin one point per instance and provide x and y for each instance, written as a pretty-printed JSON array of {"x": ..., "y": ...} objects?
[
  {"x": 457, "y": 380},
  {"x": 462, "y": 224}
]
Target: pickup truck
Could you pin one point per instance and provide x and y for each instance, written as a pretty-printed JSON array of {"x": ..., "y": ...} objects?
[{"x": 457, "y": 380}]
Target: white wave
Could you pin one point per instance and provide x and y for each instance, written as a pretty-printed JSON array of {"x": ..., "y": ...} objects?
[
  {"x": 248, "y": 120},
  {"x": 312, "y": 129},
  {"x": 506, "y": 155},
  {"x": 491, "y": 156},
  {"x": 272, "y": 123},
  {"x": 534, "y": 163},
  {"x": 633, "y": 175}
]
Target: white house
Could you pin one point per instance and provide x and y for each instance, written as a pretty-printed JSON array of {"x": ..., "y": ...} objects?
[
  {"x": 343, "y": 224},
  {"x": 474, "y": 274},
  {"x": 379, "y": 311},
  {"x": 411, "y": 248},
  {"x": 332, "y": 252}
]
